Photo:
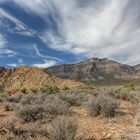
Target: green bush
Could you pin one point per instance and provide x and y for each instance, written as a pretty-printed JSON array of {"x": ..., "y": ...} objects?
[
  {"x": 34, "y": 90},
  {"x": 51, "y": 89},
  {"x": 131, "y": 86}
]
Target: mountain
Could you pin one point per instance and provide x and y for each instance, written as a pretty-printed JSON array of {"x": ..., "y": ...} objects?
[
  {"x": 137, "y": 69},
  {"x": 97, "y": 71},
  {"x": 14, "y": 80}
]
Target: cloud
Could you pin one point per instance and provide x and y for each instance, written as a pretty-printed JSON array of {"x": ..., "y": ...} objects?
[
  {"x": 31, "y": 51},
  {"x": 20, "y": 28},
  {"x": 47, "y": 63},
  {"x": 20, "y": 60},
  {"x": 4, "y": 51},
  {"x": 7, "y": 52},
  {"x": 2, "y": 41},
  {"x": 12, "y": 65},
  {"x": 18, "y": 63},
  {"x": 107, "y": 28},
  {"x": 44, "y": 56},
  {"x": 34, "y": 6}
]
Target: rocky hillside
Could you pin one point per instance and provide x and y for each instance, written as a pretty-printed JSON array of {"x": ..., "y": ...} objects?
[
  {"x": 97, "y": 70},
  {"x": 14, "y": 80}
]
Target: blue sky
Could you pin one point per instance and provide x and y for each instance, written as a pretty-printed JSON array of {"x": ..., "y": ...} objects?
[{"x": 44, "y": 33}]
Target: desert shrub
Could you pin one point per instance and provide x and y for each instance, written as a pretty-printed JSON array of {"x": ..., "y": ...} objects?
[
  {"x": 9, "y": 106},
  {"x": 24, "y": 90},
  {"x": 63, "y": 128},
  {"x": 39, "y": 106},
  {"x": 73, "y": 98},
  {"x": 14, "y": 98},
  {"x": 1, "y": 99},
  {"x": 54, "y": 105},
  {"x": 70, "y": 98},
  {"x": 28, "y": 99},
  {"x": 34, "y": 90},
  {"x": 126, "y": 95},
  {"x": 42, "y": 106},
  {"x": 131, "y": 96},
  {"x": 52, "y": 102},
  {"x": 10, "y": 136},
  {"x": 16, "y": 133},
  {"x": 31, "y": 113},
  {"x": 103, "y": 104}
]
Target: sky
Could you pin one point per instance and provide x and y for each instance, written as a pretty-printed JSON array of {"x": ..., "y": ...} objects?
[{"x": 45, "y": 33}]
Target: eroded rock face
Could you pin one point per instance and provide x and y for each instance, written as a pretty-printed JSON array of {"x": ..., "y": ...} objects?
[{"x": 95, "y": 70}]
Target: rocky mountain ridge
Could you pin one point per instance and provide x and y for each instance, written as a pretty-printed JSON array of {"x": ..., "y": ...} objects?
[{"x": 97, "y": 70}]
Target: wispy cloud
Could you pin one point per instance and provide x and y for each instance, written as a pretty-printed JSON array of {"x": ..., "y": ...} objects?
[
  {"x": 2, "y": 41},
  {"x": 34, "y": 46},
  {"x": 4, "y": 51},
  {"x": 107, "y": 28},
  {"x": 12, "y": 65},
  {"x": 39, "y": 7},
  {"x": 47, "y": 63},
  {"x": 7, "y": 53},
  {"x": 20, "y": 60},
  {"x": 31, "y": 51},
  {"x": 20, "y": 28},
  {"x": 17, "y": 63}
]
